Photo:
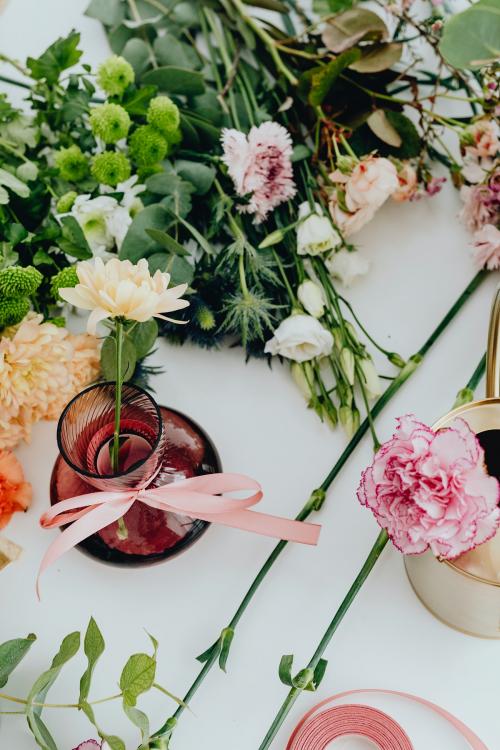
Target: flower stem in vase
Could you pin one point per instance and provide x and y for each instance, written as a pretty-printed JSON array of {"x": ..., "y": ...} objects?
[
  {"x": 115, "y": 449},
  {"x": 219, "y": 650}
]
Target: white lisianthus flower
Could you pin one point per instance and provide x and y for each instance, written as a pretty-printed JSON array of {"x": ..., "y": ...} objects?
[
  {"x": 120, "y": 289},
  {"x": 104, "y": 223},
  {"x": 130, "y": 189},
  {"x": 312, "y": 298},
  {"x": 300, "y": 338},
  {"x": 315, "y": 233},
  {"x": 346, "y": 266},
  {"x": 373, "y": 383}
]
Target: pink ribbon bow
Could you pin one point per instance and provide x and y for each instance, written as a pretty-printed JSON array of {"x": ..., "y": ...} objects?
[{"x": 198, "y": 497}]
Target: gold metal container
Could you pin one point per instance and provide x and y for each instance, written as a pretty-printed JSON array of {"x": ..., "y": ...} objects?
[{"x": 465, "y": 593}]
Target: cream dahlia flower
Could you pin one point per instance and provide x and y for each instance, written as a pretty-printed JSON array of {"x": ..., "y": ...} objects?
[{"x": 120, "y": 289}]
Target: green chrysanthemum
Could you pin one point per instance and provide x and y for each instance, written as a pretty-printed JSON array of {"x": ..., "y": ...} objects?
[
  {"x": 17, "y": 281},
  {"x": 65, "y": 202},
  {"x": 12, "y": 311},
  {"x": 163, "y": 114},
  {"x": 205, "y": 318},
  {"x": 72, "y": 164},
  {"x": 67, "y": 277},
  {"x": 147, "y": 146},
  {"x": 114, "y": 75},
  {"x": 110, "y": 168},
  {"x": 110, "y": 122}
]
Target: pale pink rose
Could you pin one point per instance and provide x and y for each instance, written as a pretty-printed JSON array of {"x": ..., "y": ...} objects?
[
  {"x": 485, "y": 136},
  {"x": 260, "y": 166},
  {"x": 430, "y": 489},
  {"x": 371, "y": 182},
  {"x": 481, "y": 206},
  {"x": 407, "y": 178},
  {"x": 486, "y": 243},
  {"x": 350, "y": 223}
]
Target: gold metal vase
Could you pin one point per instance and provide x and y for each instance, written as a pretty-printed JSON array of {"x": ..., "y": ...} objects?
[{"x": 465, "y": 593}]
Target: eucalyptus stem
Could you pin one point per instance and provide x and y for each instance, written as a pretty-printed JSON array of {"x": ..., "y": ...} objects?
[
  {"x": 318, "y": 496},
  {"x": 339, "y": 615}
]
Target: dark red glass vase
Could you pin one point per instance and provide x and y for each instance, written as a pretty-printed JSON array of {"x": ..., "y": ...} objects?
[{"x": 157, "y": 446}]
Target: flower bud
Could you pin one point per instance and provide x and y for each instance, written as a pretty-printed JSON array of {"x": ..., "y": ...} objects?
[
  {"x": 347, "y": 363},
  {"x": 346, "y": 419},
  {"x": 396, "y": 359},
  {"x": 299, "y": 375},
  {"x": 371, "y": 378},
  {"x": 272, "y": 239},
  {"x": 464, "y": 396},
  {"x": 312, "y": 298}
]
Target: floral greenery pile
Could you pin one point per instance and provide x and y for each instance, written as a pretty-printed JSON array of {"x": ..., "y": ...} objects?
[{"x": 137, "y": 678}]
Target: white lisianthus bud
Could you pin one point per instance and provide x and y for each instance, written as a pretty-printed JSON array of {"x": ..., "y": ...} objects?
[
  {"x": 349, "y": 419},
  {"x": 272, "y": 239},
  {"x": 372, "y": 381},
  {"x": 312, "y": 298},
  {"x": 299, "y": 375},
  {"x": 301, "y": 338},
  {"x": 346, "y": 266},
  {"x": 347, "y": 363},
  {"x": 315, "y": 233}
]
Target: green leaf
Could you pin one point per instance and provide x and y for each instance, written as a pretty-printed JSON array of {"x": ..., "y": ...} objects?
[
  {"x": 136, "y": 101},
  {"x": 108, "y": 12},
  {"x": 41, "y": 733},
  {"x": 285, "y": 669},
  {"x": 140, "y": 720},
  {"x": 300, "y": 152},
  {"x": 471, "y": 39},
  {"x": 204, "y": 244},
  {"x": 4, "y": 196},
  {"x": 322, "y": 78},
  {"x": 181, "y": 272},
  {"x": 351, "y": 27},
  {"x": 62, "y": 54},
  {"x": 380, "y": 125},
  {"x": 137, "y": 677},
  {"x": 11, "y": 654},
  {"x": 275, "y": 5},
  {"x": 411, "y": 143},
  {"x": 326, "y": 7},
  {"x": 158, "y": 262},
  {"x": 227, "y": 636},
  {"x": 378, "y": 57},
  {"x": 137, "y": 243},
  {"x": 114, "y": 742},
  {"x": 201, "y": 176},
  {"x": 93, "y": 646},
  {"x": 204, "y": 129},
  {"x": 168, "y": 242},
  {"x": 143, "y": 337},
  {"x": 137, "y": 53},
  {"x": 108, "y": 359},
  {"x": 175, "y": 80},
  {"x": 177, "y": 191},
  {"x": 11, "y": 182},
  {"x": 73, "y": 241},
  {"x": 211, "y": 651},
  {"x": 171, "y": 51},
  {"x": 319, "y": 673}
]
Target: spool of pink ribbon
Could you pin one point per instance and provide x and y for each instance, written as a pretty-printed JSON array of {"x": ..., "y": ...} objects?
[
  {"x": 197, "y": 497},
  {"x": 326, "y": 722}
]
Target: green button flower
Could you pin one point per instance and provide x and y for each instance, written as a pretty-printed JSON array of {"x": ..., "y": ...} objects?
[
  {"x": 147, "y": 146},
  {"x": 109, "y": 122},
  {"x": 114, "y": 75},
  {"x": 110, "y": 168},
  {"x": 72, "y": 164}
]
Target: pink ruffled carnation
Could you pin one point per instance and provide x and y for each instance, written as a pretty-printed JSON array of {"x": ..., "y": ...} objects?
[
  {"x": 260, "y": 166},
  {"x": 481, "y": 205},
  {"x": 486, "y": 243},
  {"x": 89, "y": 745},
  {"x": 430, "y": 489}
]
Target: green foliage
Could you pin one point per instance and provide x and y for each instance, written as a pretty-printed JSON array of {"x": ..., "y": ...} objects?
[
  {"x": 108, "y": 358},
  {"x": 60, "y": 56},
  {"x": 176, "y": 80},
  {"x": 11, "y": 654},
  {"x": 138, "y": 243},
  {"x": 317, "y": 82},
  {"x": 72, "y": 240},
  {"x": 471, "y": 39},
  {"x": 93, "y": 646}
]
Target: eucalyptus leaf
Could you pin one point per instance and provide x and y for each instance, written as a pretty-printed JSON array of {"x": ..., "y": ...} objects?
[
  {"x": 171, "y": 51},
  {"x": 108, "y": 12},
  {"x": 471, "y": 39},
  {"x": 93, "y": 646},
  {"x": 300, "y": 152},
  {"x": 140, "y": 720},
  {"x": 168, "y": 242},
  {"x": 201, "y": 176},
  {"x": 378, "y": 57},
  {"x": 351, "y": 27},
  {"x": 137, "y": 243},
  {"x": 205, "y": 130},
  {"x": 11, "y": 654},
  {"x": 136, "y": 51},
  {"x": 181, "y": 272},
  {"x": 108, "y": 359},
  {"x": 177, "y": 191},
  {"x": 137, "y": 677},
  {"x": 176, "y": 80},
  {"x": 41, "y": 733},
  {"x": 380, "y": 125}
]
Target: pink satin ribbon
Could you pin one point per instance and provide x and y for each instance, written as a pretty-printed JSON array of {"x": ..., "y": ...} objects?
[
  {"x": 198, "y": 497},
  {"x": 325, "y": 723}
]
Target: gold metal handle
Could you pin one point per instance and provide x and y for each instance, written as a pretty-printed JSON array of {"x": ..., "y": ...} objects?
[{"x": 493, "y": 352}]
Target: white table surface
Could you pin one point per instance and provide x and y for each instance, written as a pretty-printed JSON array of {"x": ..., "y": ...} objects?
[{"x": 420, "y": 263}]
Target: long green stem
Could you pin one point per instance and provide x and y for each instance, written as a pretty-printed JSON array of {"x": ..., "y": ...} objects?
[
  {"x": 315, "y": 501},
  {"x": 339, "y": 615},
  {"x": 115, "y": 451}
]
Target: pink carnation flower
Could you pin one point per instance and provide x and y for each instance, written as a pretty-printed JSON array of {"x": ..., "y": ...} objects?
[
  {"x": 481, "y": 206},
  {"x": 487, "y": 247},
  {"x": 89, "y": 745},
  {"x": 430, "y": 489},
  {"x": 260, "y": 166}
]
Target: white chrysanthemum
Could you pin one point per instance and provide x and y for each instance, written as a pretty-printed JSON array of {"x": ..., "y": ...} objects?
[{"x": 120, "y": 289}]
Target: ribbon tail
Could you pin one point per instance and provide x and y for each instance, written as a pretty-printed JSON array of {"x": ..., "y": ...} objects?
[{"x": 94, "y": 520}]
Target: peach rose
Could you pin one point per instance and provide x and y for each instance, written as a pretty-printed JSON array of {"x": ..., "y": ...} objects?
[
  {"x": 484, "y": 133},
  {"x": 349, "y": 223},
  {"x": 371, "y": 182},
  {"x": 15, "y": 493},
  {"x": 407, "y": 178}
]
